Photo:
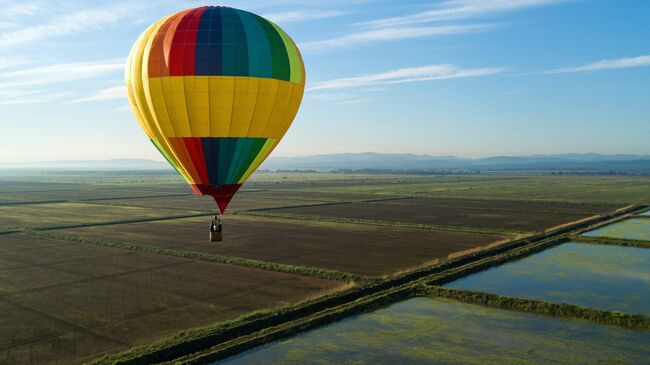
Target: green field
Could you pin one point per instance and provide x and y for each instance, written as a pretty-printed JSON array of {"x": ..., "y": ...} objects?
[
  {"x": 440, "y": 331},
  {"x": 596, "y": 276},
  {"x": 634, "y": 229},
  {"x": 93, "y": 263}
]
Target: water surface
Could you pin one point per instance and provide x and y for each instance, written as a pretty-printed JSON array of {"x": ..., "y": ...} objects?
[
  {"x": 634, "y": 228},
  {"x": 598, "y": 276},
  {"x": 440, "y": 331}
]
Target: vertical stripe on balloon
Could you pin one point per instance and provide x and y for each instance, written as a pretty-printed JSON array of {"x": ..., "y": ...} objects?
[
  {"x": 259, "y": 53},
  {"x": 182, "y": 52},
  {"x": 279, "y": 59}
]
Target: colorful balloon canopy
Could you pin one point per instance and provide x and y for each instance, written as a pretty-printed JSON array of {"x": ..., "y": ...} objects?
[{"x": 215, "y": 89}]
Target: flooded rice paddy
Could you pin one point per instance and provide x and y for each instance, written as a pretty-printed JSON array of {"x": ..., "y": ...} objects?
[
  {"x": 597, "y": 276},
  {"x": 441, "y": 331},
  {"x": 634, "y": 229}
]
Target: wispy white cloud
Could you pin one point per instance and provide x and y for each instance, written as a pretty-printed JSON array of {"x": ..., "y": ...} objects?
[
  {"x": 405, "y": 75},
  {"x": 123, "y": 108},
  {"x": 53, "y": 74},
  {"x": 392, "y": 34},
  {"x": 461, "y": 9},
  {"x": 69, "y": 24},
  {"x": 34, "y": 98},
  {"x": 352, "y": 101},
  {"x": 20, "y": 9},
  {"x": 295, "y": 16},
  {"x": 611, "y": 64},
  {"x": 111, "y": 93}
]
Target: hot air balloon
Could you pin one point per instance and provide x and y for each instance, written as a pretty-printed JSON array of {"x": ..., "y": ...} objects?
[{"x": 215, "y": 89}]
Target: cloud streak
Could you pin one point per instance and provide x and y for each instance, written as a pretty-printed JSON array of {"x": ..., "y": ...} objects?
[
  {"x": 34, "y": 98},
  {"x": 392, "y": 34},
  {"x": 111, "y": 93},
  {"x": 69, "y": 24},
  {"x": 61, "y": 73},
  {"x": 296, "y": 16},
  {"x": 611, "y": 64},
  {"x": 405, "y": 75},
  {"x": 461, "y": 9}
]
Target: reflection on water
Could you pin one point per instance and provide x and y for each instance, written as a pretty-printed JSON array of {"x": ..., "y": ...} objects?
[
  {"x": 597, "y": 276},
  {"x": 438, "y": 331},
  {"x": 635, "y": 229}
]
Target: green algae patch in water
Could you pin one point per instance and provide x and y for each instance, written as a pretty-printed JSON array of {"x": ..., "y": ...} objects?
[
  {"x": 441, "y": 331},
  {"x": 611, "y": 278},
  {"x": 633, "y": 229}
]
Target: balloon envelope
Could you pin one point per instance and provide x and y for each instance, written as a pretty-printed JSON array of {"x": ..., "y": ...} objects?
[{"x": 215, "y": 89}]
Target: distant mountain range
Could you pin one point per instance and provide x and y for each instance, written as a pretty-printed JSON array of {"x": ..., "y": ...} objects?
[{"x": 383, "y": 161}]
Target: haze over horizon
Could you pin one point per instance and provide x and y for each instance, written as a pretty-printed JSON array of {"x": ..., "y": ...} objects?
[{"x": 466, "y": 78}]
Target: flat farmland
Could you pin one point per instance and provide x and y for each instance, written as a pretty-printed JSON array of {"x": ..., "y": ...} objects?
[
  {"x": 504, "y": 205},
  {"x": 358, "y": 249},
  {"x": 445, "y": 213},
  {"x": 75, "y": 191},
  {"x": 572, "y": 189},
  {"x": 64, "y": 214},
  {"x": 309, "y": 195},
  {"x": 65, "y": 302}
]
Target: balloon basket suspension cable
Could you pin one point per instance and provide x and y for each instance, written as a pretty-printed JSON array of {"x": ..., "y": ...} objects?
[{"x": 216, "y": 229}]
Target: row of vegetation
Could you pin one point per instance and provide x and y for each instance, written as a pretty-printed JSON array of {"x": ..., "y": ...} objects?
[
  {"x": 382, "y": 223},
  {"x": 174, "y": 195},
  {"x": 306, "y": 205},
  {"x": 635, "y": 321},
  {"x": 229, "y": 260},
  {"x": 125, "y": 221},
  {"x": 152, "y": 206},
  {"x": 516, "y": 200},
  {"x": 32, "y": 202},
  {"x": 611, "y": 241},
  {"x": 9, "y": 229},
  {"x": 378, "y": 200}
]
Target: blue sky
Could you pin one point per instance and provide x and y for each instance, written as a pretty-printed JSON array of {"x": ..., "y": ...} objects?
[{"x": 450, "y": 77}]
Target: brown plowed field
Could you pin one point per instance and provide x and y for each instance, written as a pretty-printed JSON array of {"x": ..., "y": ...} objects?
[
  {"x": 366, "y": 250},
  {"x": 433, "y": 212},
  {"x": 65, "y": 302}
]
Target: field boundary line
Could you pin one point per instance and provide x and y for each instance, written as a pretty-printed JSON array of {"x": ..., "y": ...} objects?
[
  {"x": 561, "y": 310},
  {"x": 626, "y": 242},
  {"x": 172, "y": 195},
  {"x": 33, "y": 202},
  {"x": 125, "y": 221},
  {"x": 152, "y": 207},
  {"x": 523, "y": 200},
  {"x": 371, "y": 222},
  {"x": 87, "y": 200},
  {"x": 228, "y": 260}
]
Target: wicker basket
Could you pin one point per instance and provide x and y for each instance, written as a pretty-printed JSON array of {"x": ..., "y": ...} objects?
[{"x": 216, "y": 236}]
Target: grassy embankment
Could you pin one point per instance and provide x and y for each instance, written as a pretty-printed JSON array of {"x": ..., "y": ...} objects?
[
  {"x": 611, "y": 241},
  {"x": 563, "y": 310}
]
